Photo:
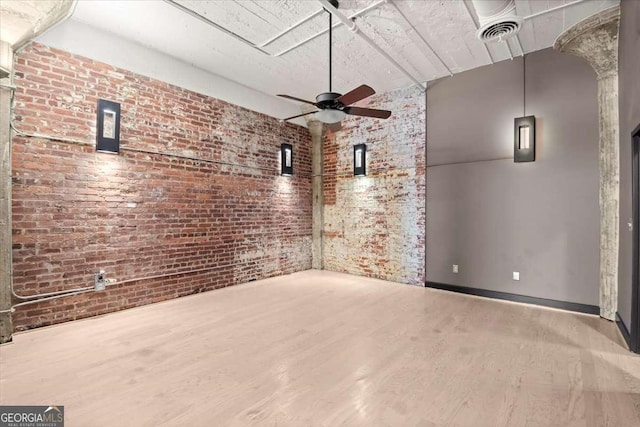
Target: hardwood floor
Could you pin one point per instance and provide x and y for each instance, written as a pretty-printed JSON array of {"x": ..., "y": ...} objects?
[{"x": 327, "y": 349}]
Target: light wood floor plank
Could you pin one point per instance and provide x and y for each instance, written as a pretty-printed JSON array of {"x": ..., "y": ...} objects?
[{"x": 327, "y": 349}]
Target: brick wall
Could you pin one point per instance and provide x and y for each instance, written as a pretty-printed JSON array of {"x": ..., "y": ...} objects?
[
  {"x": 375, "y": 225},
  {"x": 196, "y": 185}
]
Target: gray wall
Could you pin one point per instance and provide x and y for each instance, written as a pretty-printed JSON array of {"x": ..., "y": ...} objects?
[
  {"x": 493, "y": 216},
  {"x": 629, "y": 69}
]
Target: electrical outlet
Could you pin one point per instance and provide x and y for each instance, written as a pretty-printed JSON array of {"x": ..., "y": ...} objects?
[
  {"x": 455, "y": 268},
  {"x": 516, "y": 275},
  {"x": 100, "y": 280}
]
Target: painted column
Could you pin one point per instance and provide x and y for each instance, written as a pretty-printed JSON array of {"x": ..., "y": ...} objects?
[
  {"x": 317, "y": 130},
  {"x": 596, "y": 40},
  {"x": 6, "y": 61}
]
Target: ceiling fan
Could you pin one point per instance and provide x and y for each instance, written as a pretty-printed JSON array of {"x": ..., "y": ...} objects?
[{"x": 333, "y": 107}]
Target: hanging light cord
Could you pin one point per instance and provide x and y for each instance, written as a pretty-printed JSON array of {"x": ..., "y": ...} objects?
[
  {"x": 330, "y": 40},
  {"x": 524, "y": 86}
]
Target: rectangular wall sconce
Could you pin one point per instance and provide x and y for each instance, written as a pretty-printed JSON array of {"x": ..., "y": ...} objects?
[
  {"x": 359, "y": 160},
  {"x": 524, "y": 143},
  {"x": 108, "y": 127},
  {"x": 286, "y": 159}
]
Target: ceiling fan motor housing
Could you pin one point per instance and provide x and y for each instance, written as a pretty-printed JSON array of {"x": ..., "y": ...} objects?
[{"x": 328, "y": 100}]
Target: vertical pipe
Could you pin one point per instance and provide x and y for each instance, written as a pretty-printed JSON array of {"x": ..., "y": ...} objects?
[{"x": 509, "y": 49}]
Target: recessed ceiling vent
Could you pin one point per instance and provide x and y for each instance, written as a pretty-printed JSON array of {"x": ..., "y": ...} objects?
[{"x": 498, "y": 20}]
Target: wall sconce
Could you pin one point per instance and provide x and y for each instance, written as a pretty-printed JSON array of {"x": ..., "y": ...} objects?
[
  {"x": 108, "y": 127},
  {"x": 524, "y": 143},
  {"x": 286, "y": 159},
  {"x": 359, "y": 160}
]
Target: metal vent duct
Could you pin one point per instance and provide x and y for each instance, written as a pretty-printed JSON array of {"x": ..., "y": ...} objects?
[{"x": 498, "y": 19}]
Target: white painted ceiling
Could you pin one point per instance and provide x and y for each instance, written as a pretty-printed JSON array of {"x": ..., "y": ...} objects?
[
  {"x": 446, "y": 25},
  {"x": 21, "y": 20}
]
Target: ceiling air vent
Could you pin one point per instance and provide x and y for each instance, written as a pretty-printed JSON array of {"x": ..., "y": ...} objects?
[
  {"x": 498, "y": 20},
  {"x": 498, "y": 31}
]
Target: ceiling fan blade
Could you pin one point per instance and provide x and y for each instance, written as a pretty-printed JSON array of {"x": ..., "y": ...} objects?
[
  {"x": 361, "y": 92},
  {"x": 297, "y": 99},
  {"x": 367, "y": 112},
  {"x": 299, "y": 115}
]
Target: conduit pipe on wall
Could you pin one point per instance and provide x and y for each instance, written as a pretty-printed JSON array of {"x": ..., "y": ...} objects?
[
  {"x": 49, "y": 22},
  {"x": 356, "y": 30},
  {"x": 48, "y": 294},
  {"x": 59, "y": 294},
  {"x": 427, "y": 45},
  {"x": 139, "y": 150},
  {"x": 20, "y": 304},
  {"x": 121, "y": 282}
]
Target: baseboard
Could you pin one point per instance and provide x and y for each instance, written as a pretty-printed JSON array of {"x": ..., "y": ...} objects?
[
  {"x": 623, "y": 330},
  {"x": 570, "y": 306}
]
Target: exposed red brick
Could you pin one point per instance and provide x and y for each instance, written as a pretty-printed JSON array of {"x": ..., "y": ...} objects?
[{"x": 219, "y": 201}]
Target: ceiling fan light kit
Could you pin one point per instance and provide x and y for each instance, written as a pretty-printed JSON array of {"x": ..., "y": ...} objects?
[
  {"x": 330, "y": 116},
  {"x": 332, "y": 106}
]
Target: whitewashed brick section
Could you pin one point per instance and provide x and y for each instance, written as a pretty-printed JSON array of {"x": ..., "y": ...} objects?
[{"x": 375, "y": 225}]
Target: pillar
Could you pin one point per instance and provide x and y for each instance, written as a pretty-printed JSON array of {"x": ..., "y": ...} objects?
[
  {"x": 317, "y": 130},
  {"x": 596, "y": 40},
  {"x": 6, "y": 61}
]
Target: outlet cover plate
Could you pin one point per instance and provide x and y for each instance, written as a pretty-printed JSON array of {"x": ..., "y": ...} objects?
[{"x": 99, "y": 281}]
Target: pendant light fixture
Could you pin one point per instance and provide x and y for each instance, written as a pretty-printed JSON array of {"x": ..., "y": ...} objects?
[{"x": 524, "y": 134}]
